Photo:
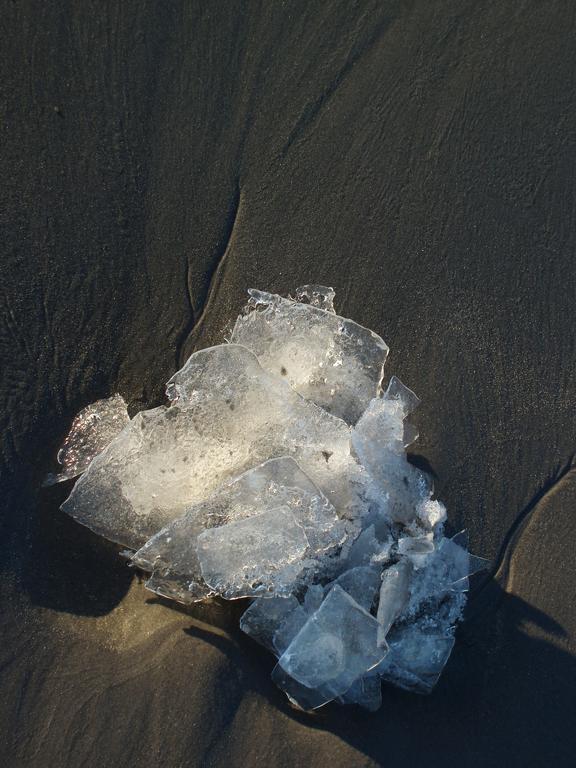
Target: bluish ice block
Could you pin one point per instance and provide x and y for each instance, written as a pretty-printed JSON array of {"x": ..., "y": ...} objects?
[{"x": 336, "y": 646}]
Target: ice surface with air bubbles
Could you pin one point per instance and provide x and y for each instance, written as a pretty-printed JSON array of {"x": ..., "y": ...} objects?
[{"x": 277, "y": 471}]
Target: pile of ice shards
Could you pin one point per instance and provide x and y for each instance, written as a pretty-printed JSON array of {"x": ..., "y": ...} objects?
[{"x": 278, "y": 472}]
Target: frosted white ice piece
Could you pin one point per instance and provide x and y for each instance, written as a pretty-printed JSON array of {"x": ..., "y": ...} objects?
[
  {"x": 258, "y": 555},
  {"x": 230, "y": 415},
  {"x": 332, "y": 361},
  {"x": 91, "y": 431},
  {"x": 171, "y": 553},
  {"x": 431, "y": 513}
]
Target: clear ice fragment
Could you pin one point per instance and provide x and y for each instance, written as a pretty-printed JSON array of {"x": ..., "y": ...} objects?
[
  {"x": 329, "y": 360},
  {"x": 91, "y": 431},
  {"x": 301, "y": 696},
  {"x": 397, "y": 392},
  {"x": 289, "y": 628},
  {"x": 335, "y": 647},
  {"x": 366, "y": 692},
  {"x": 318, "y": 296},
  {"x": 258, "y": 555},
  {"x": 361, "y": 583},
  {"x": 364, "y": 548},
  {"x": 394, "y": 597},
  {"x": 416, "y": 659},
  {"x": 172, "y": 555},
  {"x": 262, "y": 619},
  {"x": 416, "y": 549}
]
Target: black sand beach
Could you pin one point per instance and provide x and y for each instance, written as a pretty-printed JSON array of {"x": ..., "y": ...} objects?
[{"x": 159, "y": 158}]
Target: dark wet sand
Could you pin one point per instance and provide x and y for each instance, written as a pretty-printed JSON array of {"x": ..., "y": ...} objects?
[{"x": 158, "y": 158}]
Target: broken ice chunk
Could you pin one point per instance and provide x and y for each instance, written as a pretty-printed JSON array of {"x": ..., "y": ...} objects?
[
  {"x": 91, "y": 431},
  {"x": 416, "y": 549},
  {"x": 394, "y": 596},
  {"x": 329, "y": 360},
  {"x": 319, "y": 296},
  {"x": 230, "y": 415},
  {"x": 265, "y": 616},
  {"x": 335, "y": 647},
  {"x": 259, "y": 555},
  {"x": 255, "y": 482},
  {"x": 171, "y": 553},
  {"x": 399, "y": 393},
  {"x": 360, "y": 583},
  {"x": 416, "y": 659},
  {"x": 377, "y": 440}
]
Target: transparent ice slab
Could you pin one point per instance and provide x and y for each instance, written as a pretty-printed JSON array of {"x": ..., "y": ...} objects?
[
  {"x": 361, "y": 583},
  {"x": 275, "y": 622},
  {"x": 336, "y": 646},
  {"x": 258, "y": 555},
  {"x": 265, "y": 616},
  {"x": 416, "y": 659},
  {"x": 329, "y": 360}
]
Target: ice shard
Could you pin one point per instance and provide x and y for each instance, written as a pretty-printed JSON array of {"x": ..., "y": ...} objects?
[
  {"x": 336, "y": 646},
  {"x": 263, "y": 554},
  {"x": 332, "y": 361},
  {"x": 92, "y": 429},
  {"x": 171, "y": 554},
  {"x": 394, "y": 597}
]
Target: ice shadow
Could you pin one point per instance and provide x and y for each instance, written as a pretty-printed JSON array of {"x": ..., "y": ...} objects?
[
  {"x": 506, "y": 689},
  {"x": 63, "y": 565}
]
